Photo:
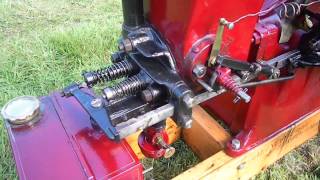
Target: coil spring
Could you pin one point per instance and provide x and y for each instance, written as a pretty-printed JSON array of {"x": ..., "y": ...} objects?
[
  {"x": 229, "y": 83},
  {"x": 127, "y": 87},
  {"x": 115, "y": 71},
  {"x": 293, "y": 9}
]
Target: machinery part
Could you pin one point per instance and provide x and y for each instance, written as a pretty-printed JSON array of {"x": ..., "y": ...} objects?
[
  {"x": 151, "y": 94},
  {"x": 236, "y": 144},
  {"x": 229, "y": 83},
  {"x": 132, "y": 15},
  {"x": 128, "y": 87},
  {"x": 218, "y": 41},
  {"x": 115, "y": 71},
  {"x": 96, "y": 103},
  {"x": 199, "y": 71},
  {"x": 292, "y": 9},
  {"x": 153, "y": 143},
  {"x": 22, "y": 111},
  {"x": 205, "y": 85},
  {"x": 98, "y": 114},
  {"x": 146, "y": 41},
  {"x": 144, "y": 121},
  {"x": 265, "y": 82},
  {"x": 310, "y": 48}
]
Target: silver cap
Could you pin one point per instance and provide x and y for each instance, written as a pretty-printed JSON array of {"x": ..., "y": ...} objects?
[{"x": 21, "y": 110}]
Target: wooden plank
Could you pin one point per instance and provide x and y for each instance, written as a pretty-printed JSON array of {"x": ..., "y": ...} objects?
[
  {"x": 172, "y": 129},
  {"x": 206, "y": 137},
  {"x": 221, "y": 166}
]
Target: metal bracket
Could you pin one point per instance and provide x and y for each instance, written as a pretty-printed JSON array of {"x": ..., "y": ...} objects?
[{"x": 98, "y": 114}]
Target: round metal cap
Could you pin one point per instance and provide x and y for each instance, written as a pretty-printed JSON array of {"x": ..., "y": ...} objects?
[{"x": 21, "y": 110}]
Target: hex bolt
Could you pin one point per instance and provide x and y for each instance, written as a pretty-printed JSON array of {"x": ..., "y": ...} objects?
[
  {"x": 125, "y": 45},
  {"x": 199, "y": 70},
  {"x": 96, "y": 103},
  {"x": 147, "y": 95},
  {"x": 236, "y": 144}
]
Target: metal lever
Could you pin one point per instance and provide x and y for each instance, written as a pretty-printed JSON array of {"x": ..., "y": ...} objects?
[{"x": 218, "y": 41}]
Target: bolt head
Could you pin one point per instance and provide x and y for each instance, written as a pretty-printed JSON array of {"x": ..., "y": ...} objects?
[
  {"x": 147, "y": 95},
  {"x": 96, "y": 103},
  {"x": 199, "y": 70},
  {"x": 236, "y": 144},
  {"x": 125, "y": 45}
]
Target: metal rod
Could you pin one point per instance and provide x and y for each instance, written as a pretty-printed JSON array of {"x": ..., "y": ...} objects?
[
  {"x": 132, "y": 15},
  {"x": 264, "y": 82}
]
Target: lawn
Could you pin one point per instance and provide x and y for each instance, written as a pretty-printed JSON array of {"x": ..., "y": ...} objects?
[{"x": 46, "y": 44}]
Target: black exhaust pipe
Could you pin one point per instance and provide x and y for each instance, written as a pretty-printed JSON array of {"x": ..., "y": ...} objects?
[{"x": 132, "y": 15}]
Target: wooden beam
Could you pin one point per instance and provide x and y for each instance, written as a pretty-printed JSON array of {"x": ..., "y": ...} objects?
[
  {"x": 206, "y": 137},
  {"x": 172, "y": 129},
  {"x": 221, "y": 166}
]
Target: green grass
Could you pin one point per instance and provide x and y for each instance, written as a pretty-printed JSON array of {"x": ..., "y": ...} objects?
[{"x": 46, "y": 44}]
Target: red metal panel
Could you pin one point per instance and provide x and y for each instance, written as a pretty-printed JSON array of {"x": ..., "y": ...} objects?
[
  {"x": 273, "y": 107},
  {"x": 183, "y": 22},
  {"x": 64, "y": 145}
]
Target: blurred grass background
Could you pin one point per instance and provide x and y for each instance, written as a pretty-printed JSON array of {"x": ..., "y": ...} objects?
[{"x": 46, "y": 44}]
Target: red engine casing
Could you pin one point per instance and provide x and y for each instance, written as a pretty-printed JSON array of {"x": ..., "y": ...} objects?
[
  {"x": 189, "y": 26},
  {"x": 64, "y": 145}
]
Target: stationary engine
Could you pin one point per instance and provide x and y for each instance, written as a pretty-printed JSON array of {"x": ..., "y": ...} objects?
[{"x": 254, "y": 64}]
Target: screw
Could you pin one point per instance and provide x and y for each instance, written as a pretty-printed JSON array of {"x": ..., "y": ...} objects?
[
  {"x": 236, "y": 144},
  {"x": 199, "y": 71},
  {"x": 96, "y": 103}
]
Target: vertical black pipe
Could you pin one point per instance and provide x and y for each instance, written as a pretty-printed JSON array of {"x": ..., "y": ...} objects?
[{"x": 132, "y": 15}]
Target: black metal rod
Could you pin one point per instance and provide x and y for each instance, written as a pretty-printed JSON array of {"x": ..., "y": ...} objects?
[
  {"x": 132, "y": 14},
  {"x": 266, "y": 82}
]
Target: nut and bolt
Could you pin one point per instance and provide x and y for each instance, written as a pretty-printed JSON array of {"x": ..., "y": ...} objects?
[
  {"x": 199, "y": 71},
  {"x": 236, "y": 144},
  {"x": 147, "y": 95},
  {"x": 125, "y": 45},
  {"x": 96, "y": 103}
]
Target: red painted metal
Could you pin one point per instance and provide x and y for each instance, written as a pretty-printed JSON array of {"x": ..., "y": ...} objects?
[
  {"x": 189, "y": 28},
  {"x": 64, "y": 145},
  {"x": 148, "y": 142}
]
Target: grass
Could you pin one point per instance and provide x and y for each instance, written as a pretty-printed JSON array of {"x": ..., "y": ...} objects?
[{"x": 46, "y": 44}]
